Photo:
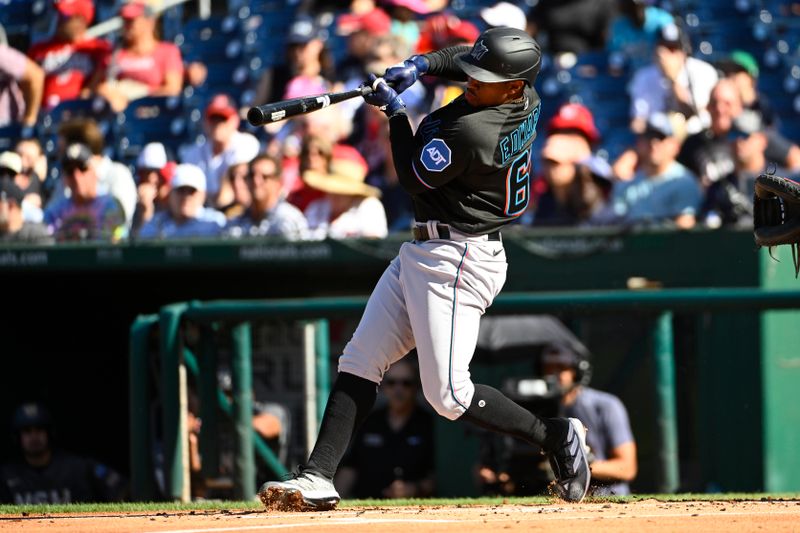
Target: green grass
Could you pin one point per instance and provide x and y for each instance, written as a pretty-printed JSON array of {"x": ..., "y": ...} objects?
[{"x": 250, "y": 506}]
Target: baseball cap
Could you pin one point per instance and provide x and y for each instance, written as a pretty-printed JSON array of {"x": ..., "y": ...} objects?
[
  {"x": 302, "y": 30},
  {"x": 670, "y": 35},
  {"x": 575, "y": 117},
  {"x": 153, "y": 155},
  {"x": 77, "y": 154},
  {"x": 659, "y": 125},
  {"x": 188, "y": 175},
  {"x": 417, "y": 6},
  {"x": 505, "y": 14},
  {"x": 348, "y": 170},
  {"x": 11, "y": 161},
  {"x": 598, "y": 167},
  {"x": 740, "y": 61},
  {"x": 559, "y": 354},
  {"x": 11, "y": 191},
  {"x": 136, "y": 8},
  {"x": 375, "y": 22},
  {"x": 71, "y": 8},
  {"x": 31, "y": 415},
  {"x": 221, "y": 105}
]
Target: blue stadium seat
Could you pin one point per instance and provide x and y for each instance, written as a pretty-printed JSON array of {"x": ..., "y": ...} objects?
[
  {"x": 152, "y": 119},
  {"x": 9, "y": 135},
  {"x": 20, "y": 20},
  {"x": 212, "y": 40},
  {"x": 96, "y": 108}
]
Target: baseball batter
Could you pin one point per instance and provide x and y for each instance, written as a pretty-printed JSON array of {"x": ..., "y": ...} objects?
[{"x": 468, "y": 170}]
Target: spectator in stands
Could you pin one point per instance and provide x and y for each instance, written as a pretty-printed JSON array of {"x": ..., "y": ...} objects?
[
  {"x": 350, "y": 207},
  {"x": 611, "y": 442},
  {"x": 143, "y": 65},
  {"x": 571, "y": 27},
  {"x": 234, "y": 195},
  {"x": 673, "y": 82},
  {"x": 11, "y": 169},
  {"x": 568, "y": 193},
  {"x": 635, "y": 30},
  {"x": 73, "y": 62},
  {"x": 113, "y": 177},
  {"x": 186, "y": 216},
  {"x": 153, "y": 177},
  {"x": 269, "y": 213},
  {"x": 48, "y": 475},
  {"x": 223, "y": 140},
  {"x": 742, "y": 68},
  {"x": 729, "y": 201},
  {"x": 86, "y": 215},
  {"x": 405, "y": 15},
  {"x": 306, "y": 57},
  {"x": 392, "y": 456},
  {"x": 662, "y": 190},
  {"x": 362, "y": 30},
  {"x": 709, "y": 153},
  {"x": 315, "y": 155},
  {"x": 34, "y": 162},
  {"x": 21, "y": 86},
  {"x": 13, "y": 226}
]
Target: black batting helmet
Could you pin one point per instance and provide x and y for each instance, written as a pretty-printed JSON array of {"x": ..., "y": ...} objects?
[{"x": 502, "y": 54}]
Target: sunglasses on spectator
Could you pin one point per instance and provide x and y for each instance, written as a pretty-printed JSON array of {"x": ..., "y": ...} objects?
[
  {"x": 70, "y": 168},
  {"x": 404, "y": 382},
  {"x": 7, "y": 173},
  {"x": 185, "y": 190}
]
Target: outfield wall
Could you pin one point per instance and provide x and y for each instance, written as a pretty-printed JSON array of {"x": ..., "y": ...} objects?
[{"x": 66, "y": 342}]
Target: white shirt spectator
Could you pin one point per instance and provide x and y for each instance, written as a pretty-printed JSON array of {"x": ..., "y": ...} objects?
[
  {"x": 650, "y": 91},
  {"x": 365, "y": 219},
  {"x": 214, "y": 166},
  {"x": 283, "y": 220}
]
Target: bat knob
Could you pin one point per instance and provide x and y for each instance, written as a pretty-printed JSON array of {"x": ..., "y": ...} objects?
[{"x": 256, "y": 116}]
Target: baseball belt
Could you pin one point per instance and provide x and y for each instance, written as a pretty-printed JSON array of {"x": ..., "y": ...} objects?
[{"x": 421, "y": 233}]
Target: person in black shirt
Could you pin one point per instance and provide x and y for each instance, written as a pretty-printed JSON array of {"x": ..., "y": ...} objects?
[
  {"x": 467, "y": 169},
  {"x": 393, "y": 454},
  {"x": 49, "y": 476}
]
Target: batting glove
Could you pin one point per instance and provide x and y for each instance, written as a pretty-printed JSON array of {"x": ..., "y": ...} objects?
[
  {"x": 403, "y": 76},
  {"x": 383, "y": 97}
]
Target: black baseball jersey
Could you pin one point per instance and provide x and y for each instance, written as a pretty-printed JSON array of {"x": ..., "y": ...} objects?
[
  {"x": 67, "y": 479},
  {"x": 471, "y": 166}
]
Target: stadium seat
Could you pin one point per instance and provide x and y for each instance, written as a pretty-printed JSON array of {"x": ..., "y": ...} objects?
[
  {"x": 153, "y": 119},
  {"x": 21, "y": 19},
  {"x": 9, "y": 135},
  {"x": 96, "y": 108}
]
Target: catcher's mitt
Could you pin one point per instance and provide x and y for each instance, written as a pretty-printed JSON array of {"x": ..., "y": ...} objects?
[{"x": 776, "y": 214}]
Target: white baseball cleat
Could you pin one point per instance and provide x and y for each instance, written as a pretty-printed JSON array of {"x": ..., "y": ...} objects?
[{"x": 304, "y": 491}]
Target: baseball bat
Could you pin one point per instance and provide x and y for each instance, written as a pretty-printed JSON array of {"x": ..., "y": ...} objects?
[{"x": 277, "y": 111}]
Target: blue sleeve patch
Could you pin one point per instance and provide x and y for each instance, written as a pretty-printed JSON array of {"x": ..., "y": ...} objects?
[{"x": 435, "y": 155}]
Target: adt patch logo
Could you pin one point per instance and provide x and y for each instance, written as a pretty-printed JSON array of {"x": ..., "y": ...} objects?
[{"x": 436, "y": 155}]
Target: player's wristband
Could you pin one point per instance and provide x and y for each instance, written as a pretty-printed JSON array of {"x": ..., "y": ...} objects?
[{"x": 394, "y": 107}]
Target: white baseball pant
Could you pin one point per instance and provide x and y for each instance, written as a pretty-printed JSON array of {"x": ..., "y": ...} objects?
[{"x": 431, "y": 296}]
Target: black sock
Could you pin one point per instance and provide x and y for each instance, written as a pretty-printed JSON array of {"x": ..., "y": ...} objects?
[
  {"x": 491, "y": 409},
  {"x": 348, "y": 405}
]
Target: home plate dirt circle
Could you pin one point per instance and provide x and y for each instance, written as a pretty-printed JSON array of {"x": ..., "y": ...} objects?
[{"x": 634, "y": 517}]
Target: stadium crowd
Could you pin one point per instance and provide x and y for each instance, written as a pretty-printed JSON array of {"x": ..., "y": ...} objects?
[{"x": 654, "y": 113}]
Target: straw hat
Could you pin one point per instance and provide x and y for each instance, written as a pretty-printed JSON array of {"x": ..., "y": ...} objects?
[{"x": 348, "y": 170}]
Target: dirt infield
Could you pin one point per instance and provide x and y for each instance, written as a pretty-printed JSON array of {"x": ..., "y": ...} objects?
[{"x": 635, "y": 517}]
